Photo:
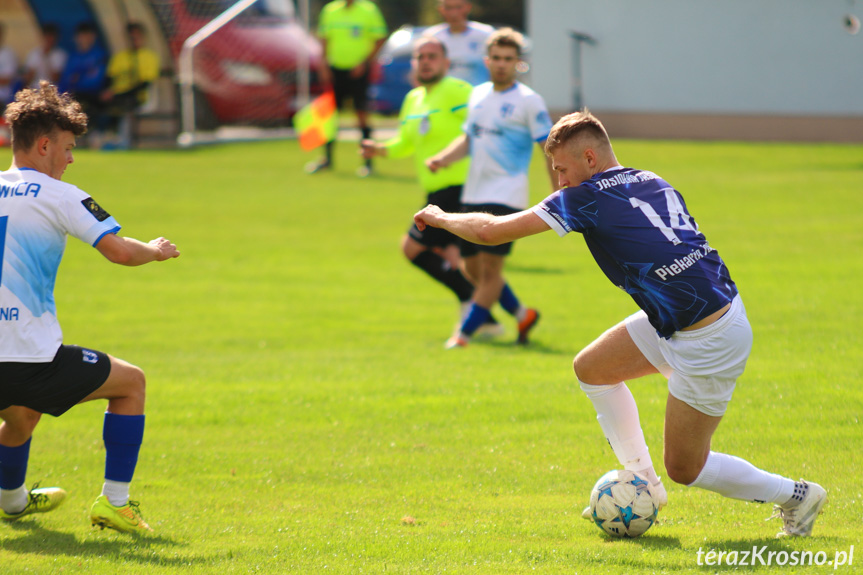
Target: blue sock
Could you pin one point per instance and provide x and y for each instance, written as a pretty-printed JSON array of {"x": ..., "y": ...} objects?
[
  {"x": 475, "y": 318},
  {"x": 123, "y": 435},
  {"x": 508, "y": 301},
  {"x": 13, "y": 465}
]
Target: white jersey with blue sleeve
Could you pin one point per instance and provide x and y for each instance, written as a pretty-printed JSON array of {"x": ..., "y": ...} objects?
[
  {"x": 466, "y": 50},
  {"x": 36, "y": 214},
  {"x": 503, "y": 128},
  {"x": 643, "y": 238}
]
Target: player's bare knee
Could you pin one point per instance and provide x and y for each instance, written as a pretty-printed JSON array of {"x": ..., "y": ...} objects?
[
  {"x": 491, "y": 278},
  {"x": 17, "y": 430},
  {"x": 136, "y": 384},
  {"x": 33, "y": 418},
  {"x": 587, "y": 371},
  {"x": 682, "y": 471},
  {"x": 575, "y": 367},
  {"x": 140, "y": 381},
  {"x": 411, "y": 248}
]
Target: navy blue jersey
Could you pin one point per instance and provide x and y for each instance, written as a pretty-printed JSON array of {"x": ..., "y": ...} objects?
[{"x": 640, "y": 233}]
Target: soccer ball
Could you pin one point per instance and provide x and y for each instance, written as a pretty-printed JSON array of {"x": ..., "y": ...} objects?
[{"x": 621, "y": 504}]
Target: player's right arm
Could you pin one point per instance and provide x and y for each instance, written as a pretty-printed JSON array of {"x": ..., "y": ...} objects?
[
  {"x": 131, "y": 252},
  {"x": 482, "y": 228},
  {"x": 369, "y": 149},
  {"x": 458, "y": 149},
  {"x": 400, "y": 145},
  {"x": 324, "y": 73}
]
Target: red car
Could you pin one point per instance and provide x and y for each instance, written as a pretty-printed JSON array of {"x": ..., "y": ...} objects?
[{"x": 248, "y": 71}]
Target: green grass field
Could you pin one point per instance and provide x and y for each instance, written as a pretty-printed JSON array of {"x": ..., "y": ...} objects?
[{"x": 303, "y": 416}]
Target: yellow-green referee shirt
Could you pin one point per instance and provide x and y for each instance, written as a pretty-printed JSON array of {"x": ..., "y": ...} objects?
[
  {"x": 429, "y": 122},
  {"x": 350, "y": 31}
]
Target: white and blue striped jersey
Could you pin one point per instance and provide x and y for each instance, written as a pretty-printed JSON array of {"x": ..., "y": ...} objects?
[
  {"x": 36, "y": 213},
  {"x": 466, "y": 50},
  {"x": 504, "y": 128},
  {"x": 643, "y": 238}
]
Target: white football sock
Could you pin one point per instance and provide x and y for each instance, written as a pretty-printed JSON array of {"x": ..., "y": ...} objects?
[
  {"x": 736, "y": 478},
  {"x": 618, "y": 417},
  {"x": 117, "y": 492},
  {"x": 14, "y": 500}
]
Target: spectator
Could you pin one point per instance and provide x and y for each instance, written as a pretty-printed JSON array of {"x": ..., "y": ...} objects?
[
  {"x": 130, "y": 72},
  {"x": 84, "y": 75},
  {"x": 8, "y": 70},
  {"x": 46, "y": 61}
]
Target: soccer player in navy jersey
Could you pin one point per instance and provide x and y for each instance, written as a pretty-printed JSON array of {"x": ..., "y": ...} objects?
[
  {"x": 692, "y": 327},
  {"x": 38, "y": 373}
]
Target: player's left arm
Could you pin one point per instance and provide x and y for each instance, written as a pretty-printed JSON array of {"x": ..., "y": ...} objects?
[
  {"x": 131, "y": 252},
  {"x": 455, "y": 151},
  {"x": 379, "y": 43},
  {"x": 482, "y": 228},
  {"x": 377, "y": 29},
  {"x": 399, "y": 146},
  {"x": 365, "y": 67}
]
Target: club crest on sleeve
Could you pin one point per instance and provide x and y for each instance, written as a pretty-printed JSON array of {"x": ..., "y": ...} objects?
[
  {"x": 89, "y": 356},
  {"x": 95, "y": 209}
]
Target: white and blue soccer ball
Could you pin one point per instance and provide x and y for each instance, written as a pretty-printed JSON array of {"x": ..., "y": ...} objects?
[{"x": 621, "y": 504}]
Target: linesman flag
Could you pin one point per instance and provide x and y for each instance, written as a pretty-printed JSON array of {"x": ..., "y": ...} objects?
[{"x": 317, "y": 122}]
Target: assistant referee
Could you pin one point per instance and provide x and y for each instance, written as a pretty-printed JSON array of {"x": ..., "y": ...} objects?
[{"x": 351, "y": 32}]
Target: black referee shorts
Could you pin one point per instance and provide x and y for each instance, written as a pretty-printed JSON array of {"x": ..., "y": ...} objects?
[
  {"x": 449, "y": 200},
  {"x": 344, "y": 87},
  {"x": 469, "y": 249},
  {"x": 54, "y": 387}
]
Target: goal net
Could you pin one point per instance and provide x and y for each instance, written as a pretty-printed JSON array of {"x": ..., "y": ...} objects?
[{"x": 244, "y": 67}]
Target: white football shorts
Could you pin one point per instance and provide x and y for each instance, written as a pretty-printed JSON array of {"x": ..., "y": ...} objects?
[{"x": 702, "y": 365}]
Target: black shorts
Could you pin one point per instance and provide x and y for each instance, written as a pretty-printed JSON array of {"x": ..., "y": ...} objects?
[
  {"x": 346, "y": 87},
  {"x": 469, "y": 249},
  {"x": 54, "y": 387},
  {"x": 449, "y": 200}
]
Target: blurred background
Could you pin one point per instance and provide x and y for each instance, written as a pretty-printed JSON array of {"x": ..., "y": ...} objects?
[{"x": 696, "y": 69}]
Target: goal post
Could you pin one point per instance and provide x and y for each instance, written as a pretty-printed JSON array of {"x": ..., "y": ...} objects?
[
  {"x": 186, "y": 66},
  {"x": 244, "y": 67}
]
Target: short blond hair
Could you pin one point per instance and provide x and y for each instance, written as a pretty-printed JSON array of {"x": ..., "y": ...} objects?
[
  {"x": 506, "y": 37},
  {"x": 577, "y": 125}
]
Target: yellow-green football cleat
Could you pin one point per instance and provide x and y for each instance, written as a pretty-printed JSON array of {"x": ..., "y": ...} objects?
[
  {"x": 40, "y": 500},
  {"x": 126, "y": 519}
]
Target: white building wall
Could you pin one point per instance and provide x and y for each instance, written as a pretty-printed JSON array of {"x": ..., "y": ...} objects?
[{"x": 737, "y": 57}]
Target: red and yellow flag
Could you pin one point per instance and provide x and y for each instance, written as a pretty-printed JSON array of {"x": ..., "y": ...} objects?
[{"x": 317, "y": 122}]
